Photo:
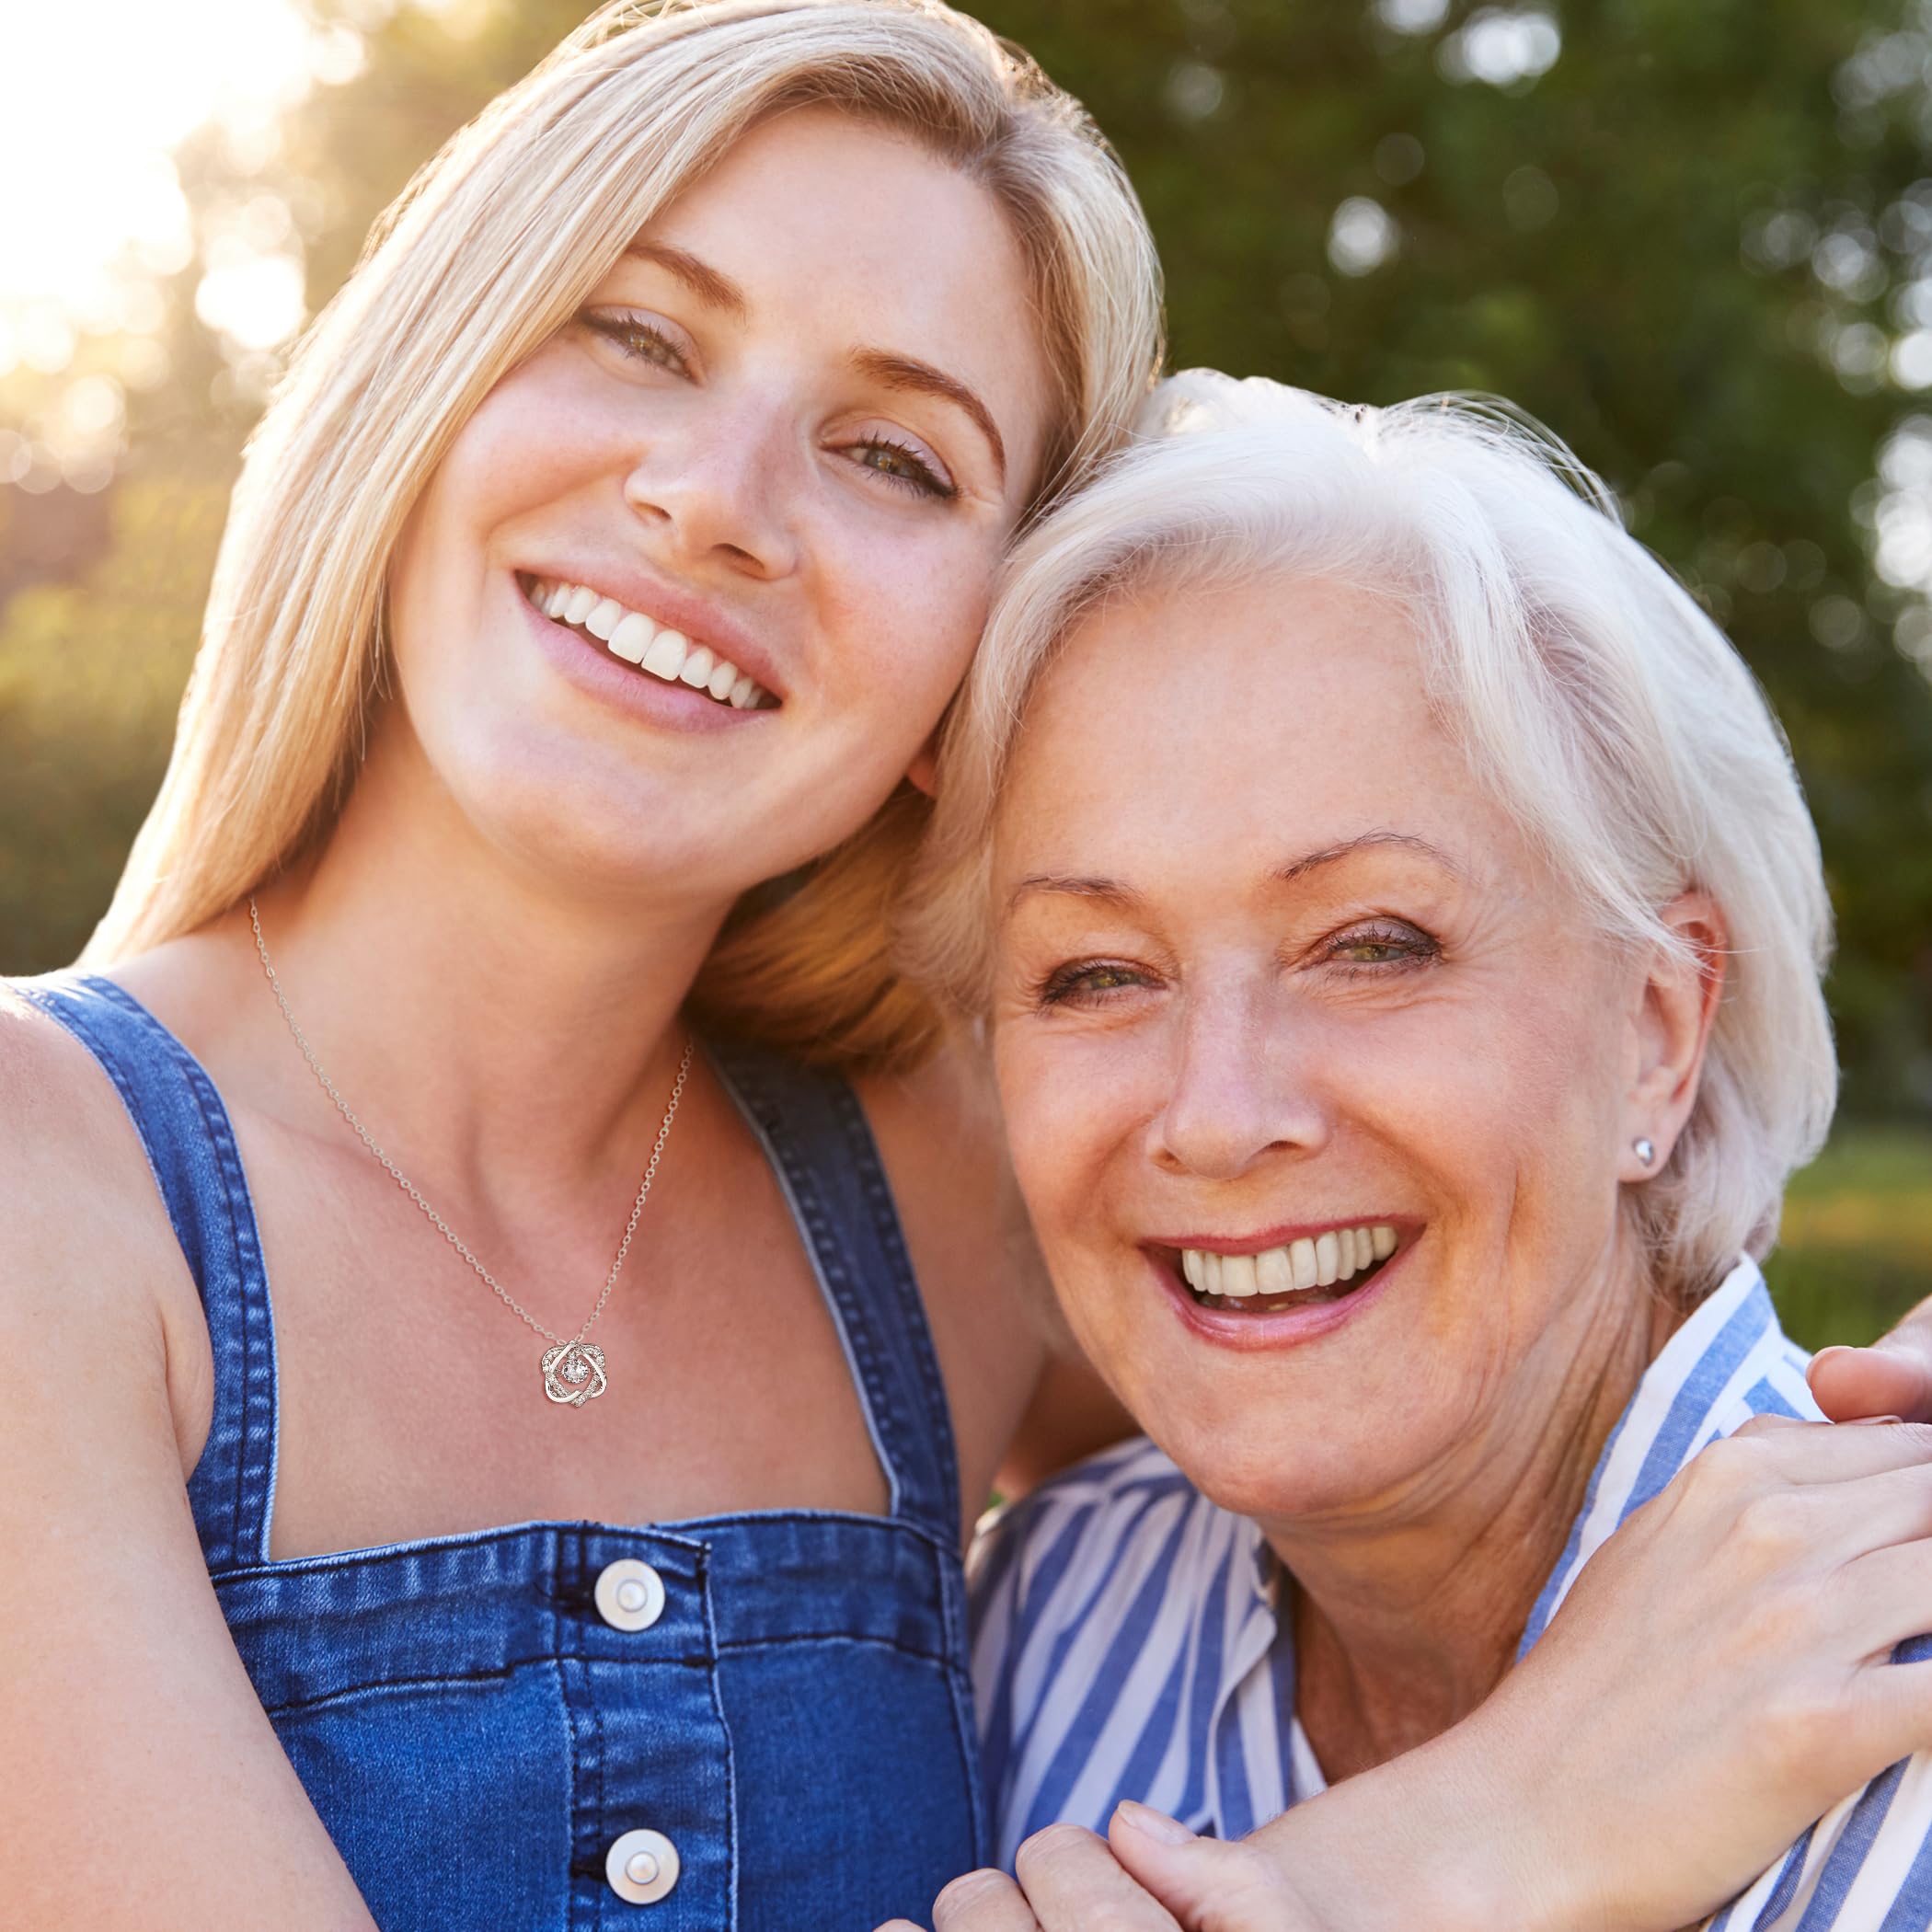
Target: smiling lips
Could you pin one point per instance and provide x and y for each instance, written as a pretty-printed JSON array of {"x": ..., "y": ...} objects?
[
  {"x": 1319, "y": 1269},
  {"x": 654, "y": 649}
]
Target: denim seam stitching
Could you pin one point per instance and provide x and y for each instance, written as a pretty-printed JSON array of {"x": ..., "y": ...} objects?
[
  {"x": 909, "y": 1304},
  {"x": 65, "y": 1010},
  {"x": 827, "y": 1257}
]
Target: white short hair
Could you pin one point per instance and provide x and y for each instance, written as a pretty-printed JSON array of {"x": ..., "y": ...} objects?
[{"x": 1591, "y": 693}]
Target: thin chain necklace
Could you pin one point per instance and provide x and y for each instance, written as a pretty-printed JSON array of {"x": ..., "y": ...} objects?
[{"x": 573, "y": 1367}]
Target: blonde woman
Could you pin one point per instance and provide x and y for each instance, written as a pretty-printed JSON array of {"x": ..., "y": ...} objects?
[{"x": 574, "y": 1539}]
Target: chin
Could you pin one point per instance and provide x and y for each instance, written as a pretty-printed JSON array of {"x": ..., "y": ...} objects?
[
  {"x": 577, "y": 823},
  {"x": 1272, "y": 1469}
]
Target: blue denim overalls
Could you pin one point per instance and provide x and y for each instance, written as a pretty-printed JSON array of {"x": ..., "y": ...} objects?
[{"x": 748, "y": 1723}]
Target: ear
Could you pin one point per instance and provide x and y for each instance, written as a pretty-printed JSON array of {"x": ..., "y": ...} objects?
[
  {"x": 923, "y": 773},
  {"x": 1672, "y": 1025}
]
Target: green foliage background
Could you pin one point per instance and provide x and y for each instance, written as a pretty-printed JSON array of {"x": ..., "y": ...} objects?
[{"x": 1687, "y": 245}]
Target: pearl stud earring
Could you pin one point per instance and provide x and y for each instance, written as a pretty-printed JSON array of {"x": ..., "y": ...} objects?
[{"x": 1644, "y": 1151}]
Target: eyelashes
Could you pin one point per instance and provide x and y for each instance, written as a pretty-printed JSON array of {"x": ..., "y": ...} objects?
[
  {"x": 901, "y": 465},
  {"x": 1366, "y": 950},
  {"x": 905, "y": 467},
  {"x": 1380, "y": 947},
  {"x": 636, "y": 337},
  {"x": 1066, "y": 984}
]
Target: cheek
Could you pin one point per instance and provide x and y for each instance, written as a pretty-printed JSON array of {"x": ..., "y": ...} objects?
[
  {"x": 1074, "y": 1109},
  {"x": 909, "y": 612}
]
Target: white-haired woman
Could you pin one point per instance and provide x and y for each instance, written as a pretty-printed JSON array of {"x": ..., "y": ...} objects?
[
  {"x": 547, "y": 1554},
  {"x": 1399, "y": 931}
]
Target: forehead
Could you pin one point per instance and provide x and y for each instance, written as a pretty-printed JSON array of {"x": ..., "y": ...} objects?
[
  {"x": 1196, "y": 732},
  {"x": 841, "y": 230}
]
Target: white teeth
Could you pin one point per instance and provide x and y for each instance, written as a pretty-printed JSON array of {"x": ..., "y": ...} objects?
[
  {"x": 1237, "y": 1276},
  {"x": 1274, "y": 1272},
  {"x": 665, "y": 658},
  {"x": 1317, "y": 1261},
  {"x": 631, "y": 638},
  {"x": 667, "y": 654}
]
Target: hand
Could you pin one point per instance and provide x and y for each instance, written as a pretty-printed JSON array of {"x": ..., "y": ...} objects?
[
  {"x": 1068, "y": 1881},
  {"x": 1717, "y": 1680},
  {"x": 1891, "y": 1378}
]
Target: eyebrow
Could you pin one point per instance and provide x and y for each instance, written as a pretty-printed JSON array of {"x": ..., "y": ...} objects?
[
  {"x": 904, "y": 372},
  {"x": 1367, "y": 840},
  {"x": 1111, "y": 891},
  {"x": 709, "y": 284},
  {"x": 884, "y": 365}
]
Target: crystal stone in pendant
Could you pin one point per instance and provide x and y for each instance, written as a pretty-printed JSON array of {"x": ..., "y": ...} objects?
[{"x": 573, "y": 1373}]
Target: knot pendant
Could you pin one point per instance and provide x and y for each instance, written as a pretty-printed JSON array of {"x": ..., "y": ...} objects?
[{"x": 573, "y": 1373}]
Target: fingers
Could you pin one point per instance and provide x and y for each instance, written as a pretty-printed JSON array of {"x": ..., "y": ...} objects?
[
  {"x": 1891, "y": 1591},
  {"x": 1205, "y": 1884},
  {"x": 1894, "y": 1378},
  {"x": 1895, "y": 1701},
  {"x": 1778, "y": 1449},
  {"x": 1074, "y": 1883},
  {"x": 984, "y": 1902}
]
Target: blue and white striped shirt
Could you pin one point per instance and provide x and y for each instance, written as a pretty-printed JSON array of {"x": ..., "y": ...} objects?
[{"x": 1127, "y": 1647}]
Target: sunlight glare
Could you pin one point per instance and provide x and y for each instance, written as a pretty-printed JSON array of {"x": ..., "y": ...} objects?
[{"x": 103, "y": 92}]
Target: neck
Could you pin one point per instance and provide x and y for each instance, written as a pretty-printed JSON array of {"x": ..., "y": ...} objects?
[
  {"x": 496, "y": 1018},
  {"x": 1408, "y": 1610}
]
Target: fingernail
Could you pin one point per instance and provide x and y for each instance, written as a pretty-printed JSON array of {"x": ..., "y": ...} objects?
[
  {"x": 1837, "y": 1348},
  {"x": 1151, "y": 1823},
  {"x": 1867, "y": 1421}
]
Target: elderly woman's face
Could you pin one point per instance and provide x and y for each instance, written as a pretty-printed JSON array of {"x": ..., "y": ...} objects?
[{"x": 1286, "y": 1002}]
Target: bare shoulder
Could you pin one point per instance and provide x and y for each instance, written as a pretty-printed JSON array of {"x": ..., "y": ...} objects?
[
  {"x": 123, "y": 1698},
  {"x": 88, "y": 1259}
]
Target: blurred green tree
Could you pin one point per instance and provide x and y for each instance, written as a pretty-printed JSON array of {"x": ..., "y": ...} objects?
[{"x": 1694, "y": 240}]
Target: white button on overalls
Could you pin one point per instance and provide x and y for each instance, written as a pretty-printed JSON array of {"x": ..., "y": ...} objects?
[
  {"x": 641, "y": 1866},
  {"x": 630, "y": 1595}
]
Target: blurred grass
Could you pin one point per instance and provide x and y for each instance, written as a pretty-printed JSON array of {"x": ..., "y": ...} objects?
[{"x": 1855, "y": 1251}]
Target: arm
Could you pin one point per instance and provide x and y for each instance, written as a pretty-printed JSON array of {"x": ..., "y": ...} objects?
[
  {"x": 143, "y": 1787},
  {"x": 1717, "y": 1678}
]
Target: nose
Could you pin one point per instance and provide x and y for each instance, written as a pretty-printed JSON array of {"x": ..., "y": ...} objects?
[
  {"x": 1238, "y": 1093},
  {"x": 716, "y": 491}
]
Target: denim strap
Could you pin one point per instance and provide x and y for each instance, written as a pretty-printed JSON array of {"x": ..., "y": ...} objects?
[
  {"x": 190, "y": 1143},
  {"x": 814, "y": 1134}
]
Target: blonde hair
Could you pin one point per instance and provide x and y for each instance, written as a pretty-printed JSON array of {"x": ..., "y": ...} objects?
[
  {"x": 492, "y": 247},
  {"x": 1591, "y": 693}
]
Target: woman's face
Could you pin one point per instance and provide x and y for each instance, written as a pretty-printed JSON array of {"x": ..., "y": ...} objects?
[
  {"x": 788, "y": 434},
  {"x": 1280, "y": 987}
]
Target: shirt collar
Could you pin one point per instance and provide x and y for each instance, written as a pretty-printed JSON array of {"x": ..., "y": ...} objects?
[{"x": 1678, "y": 1407}]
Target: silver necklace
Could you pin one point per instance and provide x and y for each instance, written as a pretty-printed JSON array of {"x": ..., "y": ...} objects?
[{"x": 573, "y": 1367}]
